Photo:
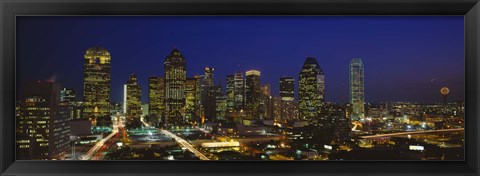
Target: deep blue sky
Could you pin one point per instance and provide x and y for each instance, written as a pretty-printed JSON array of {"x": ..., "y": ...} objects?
[{"x": 407, "y": 58}]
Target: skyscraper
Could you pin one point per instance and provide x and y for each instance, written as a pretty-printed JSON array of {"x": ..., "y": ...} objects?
[
  {"x": 199, "y": 111},
  {"x": 175, "y": 86},
  {"x": 252, "y": 93},
  {"x": 96, "y": 83},
  {"x": 190, "y": 101},
  {"x": 43, "y": 129},
  {"x": 230, "y": 95},
  {"x": 155, "y": 96},
  {"x": 209, "y": 76},
  {"x": 311, "y": 90},
  {"x": 207, "y": 94},
  {"x": 357, "y": 93},
  {"x": 288, "y": 106},
  {"x": 287, "y": 88},
  {"x": 132, "y": 99},
  {"x": 239, "y": 91}
]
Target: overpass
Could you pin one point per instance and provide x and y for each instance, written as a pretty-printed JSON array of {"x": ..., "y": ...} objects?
[{"x": 410, "y": 133}]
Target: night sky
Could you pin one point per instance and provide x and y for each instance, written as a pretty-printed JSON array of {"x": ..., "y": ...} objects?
[{"x": 406, "y": 58}]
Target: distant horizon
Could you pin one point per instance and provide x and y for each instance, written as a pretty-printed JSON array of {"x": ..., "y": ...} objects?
[{"x": 407, "y": 59}]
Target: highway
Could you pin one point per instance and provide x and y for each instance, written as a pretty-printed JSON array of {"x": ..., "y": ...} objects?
[
  {"x": 410, "y": 132},
  {"x": 182, "y": 142},
  {"x": 99, "y": 144},
  {"x": 185, "y": 144}
]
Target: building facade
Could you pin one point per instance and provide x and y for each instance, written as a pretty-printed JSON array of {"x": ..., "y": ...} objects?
[
  {"x": 357, "y": 93},
  {"x": 175, "y": 86},
  {"x": 156, "y": 97},
  {"x": 96, "y": 83},
  {"x": 43, "y": 125},
  {"x": 190, "y": 99},
  {"x": 311, "y": 90},
  {"x": 132, "y": 98},
  {"x": 252, "y": 93}
]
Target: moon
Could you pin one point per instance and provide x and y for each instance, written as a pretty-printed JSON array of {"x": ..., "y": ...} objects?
[{"x": 444, "y": 90}]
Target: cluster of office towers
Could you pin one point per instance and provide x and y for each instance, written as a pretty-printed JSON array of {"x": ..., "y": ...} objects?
[
  {"x": 179, "y": 99},
  {"x": 44, "y": 110}
]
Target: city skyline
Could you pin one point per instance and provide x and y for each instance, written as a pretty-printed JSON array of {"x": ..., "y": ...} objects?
[
  {"x": 248, "y": 113},
  {"x": 424, "y": 87}
]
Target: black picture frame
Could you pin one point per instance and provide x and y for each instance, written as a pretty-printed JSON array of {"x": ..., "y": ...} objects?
[{"x": 11, "y": 8}]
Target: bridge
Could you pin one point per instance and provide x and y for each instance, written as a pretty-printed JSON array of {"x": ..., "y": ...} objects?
[{"x": 410, "y": 133}]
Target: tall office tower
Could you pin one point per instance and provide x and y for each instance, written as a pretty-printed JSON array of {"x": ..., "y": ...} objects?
[
  {"x": 219, "y": 101},
  {"x": 96, "y": 83},
  {"x": 199, "y": 111},
  {"x": 230, "y": 97},
  {"x": 208, "y": 76},
  {"x": 264, "y": 102},
  {"x": 288, "y": 109},
  {"x": 132, "y": 99},
  {"x": 275, "y": 108},
  {"x": 252, "y": 93},
  {"x": 357, "y": 93},
  {"x": 155, "y": 96},
  {"x": 287, "y": 88},
  {"x": 311, "y": 90},
  {"x": 175, "y": 86},
  {"x": 207, "y": 99},
  {"x": 190, "y": 101},
  {"x": 43, "y": 126},
  {"x": 239, "y": 91},
  {"x": 210, "y": 104}
]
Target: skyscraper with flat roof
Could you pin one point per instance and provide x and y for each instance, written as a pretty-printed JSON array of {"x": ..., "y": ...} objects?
[
  {"x": 43, "y": 124},
  {"x": 96, "y": 83},
  {"x": 156, "y": 96},
  {"x": 252, "y": 93},
  {"x": 357, "y": 93},
  {"x": 132, "y": 101}
]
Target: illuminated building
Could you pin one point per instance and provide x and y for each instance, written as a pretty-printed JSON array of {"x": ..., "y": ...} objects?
[
  {"x": 75, "y": 108},
  {"x": 214, "y": 94},
  {"x": 155, "y": 96},
  {"x": 43, "y": 125},
  {"x": 199, "y": 111},
  {"x": 230, "y": 97},
  {"x": 275, "y": 108},
  {"x": 96, "y": 83},
  {"x": 220, "y": 107},
  {"x": 132, "y": 104},
  {"x": 289, "y": 108},
  {"x": 289, "y": 111},
  {"x": 190, "y": 101},
  {"x": 264, "y": 101},
  {"x": 357, "y": 93},
  {"x": 208, "y": 94},
  {"x": 67, "y": 95},
  {"x": 208, "y": 76},
  {"x": 175, "y": 86},
  {"x": 239, "y": 91},
  {"x": 252, "y": 93},
  {"x": 287, "y": 88},
  {"x": 311, "y": 90}
]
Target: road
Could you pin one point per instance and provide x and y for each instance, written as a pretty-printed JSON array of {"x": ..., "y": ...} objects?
[
  {"x": 185, "y": 144},
  {"x": 182, "y": 142},
  {"x": 99, "y": 144},
  {"x": 410, "y": 132}
]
